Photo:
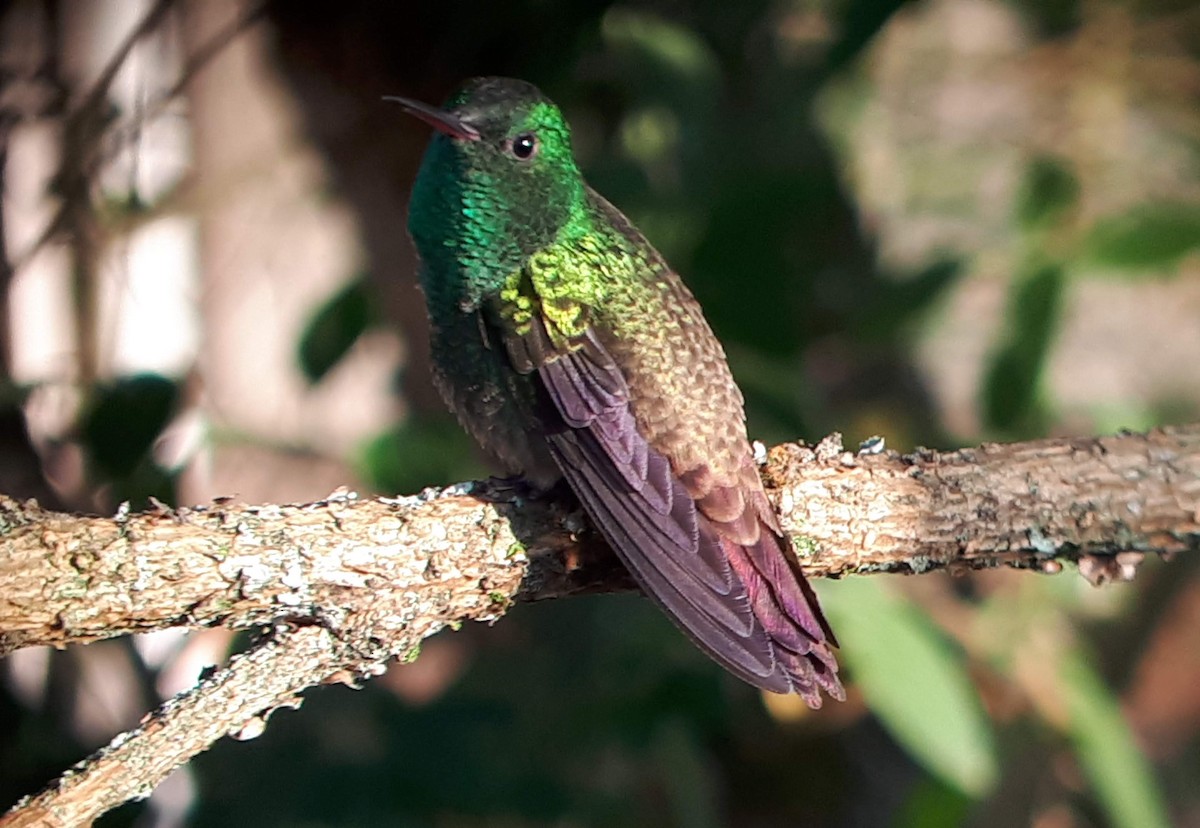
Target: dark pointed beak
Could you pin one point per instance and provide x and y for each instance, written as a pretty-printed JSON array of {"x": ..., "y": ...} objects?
[{"x": 443, "y": 122}]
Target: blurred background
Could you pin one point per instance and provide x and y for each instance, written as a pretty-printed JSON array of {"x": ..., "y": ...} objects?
[{"x": 939, "y": 222}]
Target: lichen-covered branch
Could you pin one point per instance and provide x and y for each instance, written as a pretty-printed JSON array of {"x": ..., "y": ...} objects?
[
  {"x": 347, "y": 583},
  {"x": 364, "y": 567},
  {"x": 1100, "y": 502},
  {"x": 234, "y": 701}
]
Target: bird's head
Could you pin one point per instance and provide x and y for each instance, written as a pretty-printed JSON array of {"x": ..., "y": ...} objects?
[{"x": 498, "y": 181}]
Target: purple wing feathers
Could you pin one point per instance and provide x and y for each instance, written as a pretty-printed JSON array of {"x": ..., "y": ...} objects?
[{"x": 741, "y": 603}]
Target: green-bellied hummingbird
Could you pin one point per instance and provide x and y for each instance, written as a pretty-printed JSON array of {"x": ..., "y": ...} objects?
[{"x": 569, "y": 348}]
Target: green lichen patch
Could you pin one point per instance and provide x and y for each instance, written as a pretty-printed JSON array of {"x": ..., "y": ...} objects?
[{"x": 805, "y": 546}]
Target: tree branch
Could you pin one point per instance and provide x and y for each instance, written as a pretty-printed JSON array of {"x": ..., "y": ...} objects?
[
  {"x": 347, "y": 583},
  {"x": 235, "y": 701}
]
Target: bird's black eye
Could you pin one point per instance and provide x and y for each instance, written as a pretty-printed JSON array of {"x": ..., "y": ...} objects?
[{"x": 524, "y": 146}]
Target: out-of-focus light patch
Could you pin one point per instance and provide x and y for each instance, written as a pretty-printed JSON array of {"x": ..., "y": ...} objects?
[
  {"x": 157, "y": 647},
  {"x": 93, "y": 33},
  {"x": 27, "y": 673},
  {"x": 182, "y": 440},
  {"x": 441, "y": 662},
  {"x": 43, "y": 339},
  {"x": 650, "y": 133},
  {"x": 149, "y": 150},
  {"x": 802, "y": 31},
  {"x": 201, "y": 650},
  {"x": 32, "y": 160},
  {"x": 650, "y": 136},
  {"x": 108, "y": 698},
  {"x": 173, "y": 798},
  {"x": 152, "y": 156},
  {"x": 789, "y": 708},
  {"x": 146, "y": 279},
  {"x": 1057, "y": 815},
  {"x": 51, "y": 409},
  {"x": 148, "y": 300}
]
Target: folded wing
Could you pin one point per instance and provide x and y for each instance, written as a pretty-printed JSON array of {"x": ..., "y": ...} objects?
[{"x": 714, "y": 566}]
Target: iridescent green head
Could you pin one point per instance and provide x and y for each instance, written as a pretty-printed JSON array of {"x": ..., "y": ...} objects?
[{"x": 498, "y": 183}]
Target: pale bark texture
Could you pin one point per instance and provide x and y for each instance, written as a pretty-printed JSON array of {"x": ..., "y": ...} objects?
[{"x": 343, "y": 585}]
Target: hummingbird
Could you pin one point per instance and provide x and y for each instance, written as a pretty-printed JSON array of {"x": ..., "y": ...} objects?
[{"x": 570, "y": 350}]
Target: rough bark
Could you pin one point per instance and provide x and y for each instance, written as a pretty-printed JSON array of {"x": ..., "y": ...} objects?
[{"x": 344, "y": 584}]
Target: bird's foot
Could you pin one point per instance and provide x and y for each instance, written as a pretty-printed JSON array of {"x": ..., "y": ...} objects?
[{"x": 518, "y": 487}]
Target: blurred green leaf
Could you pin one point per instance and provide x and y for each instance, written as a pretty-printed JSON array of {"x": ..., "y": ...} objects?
[
  {"x": 1032, "y": 319},
  {"x": 1154, "y": 235},
  {"x": 1049, "y": 190},
  {"x": 334, "y": 328},
  {"x": 933, "y": 804},
  {"x": 124, "y": 419},
  {"x": 419, "y": 453},
  {"x": 914, "y": 681},
  {"x": 687, "y": 775},
  {"x": 670, "y": 51},
  {"x": 896, "y": 302},
  {"x": 671, "y": 84},
  {"x": 1122, "y": 779}
]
